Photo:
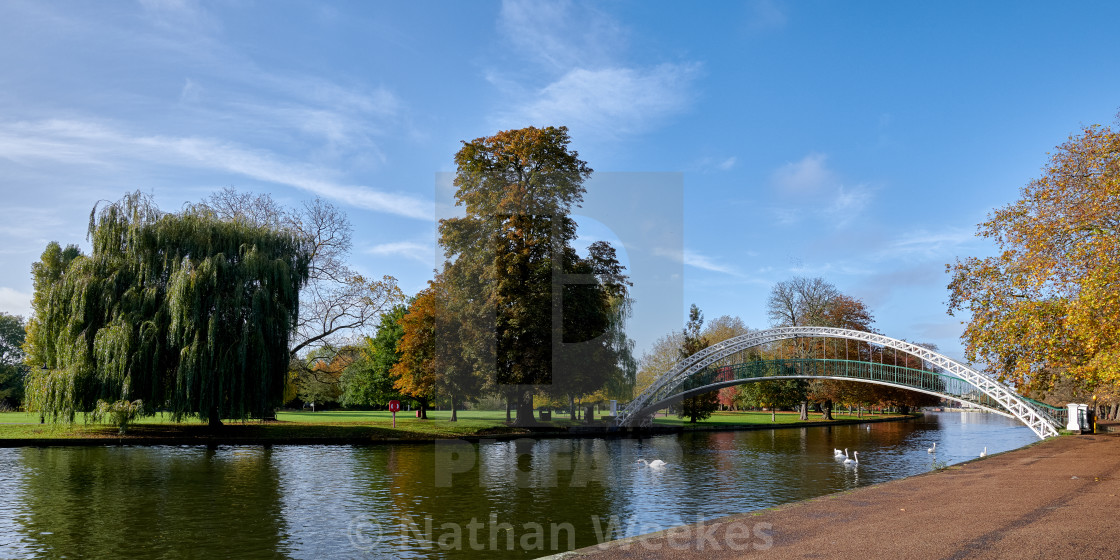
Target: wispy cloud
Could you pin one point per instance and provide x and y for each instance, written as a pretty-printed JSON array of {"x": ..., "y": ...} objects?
[
  {"x": 29, "y": 223},
  {"x": 582, "y": 79},
  {"x": 696, "y": 260},
  {"x": 177, "y": 14},
  {"x": 419, "y": 252},
  {"x": 807, "y": 175},
  {"x": 16, "y": 303},
  {"x": 88, "y": 143},
  {"x": 559, "y": 35},
  {"x": 608, "y": 102},
  {"x": 704, "y": 262},
  {"x": 766, "y": 14},
  {"x": 929, "y": 244},
  {"x": 848, "y": 203},
  {"x": 817, "y": 192},
  {"x": 227, "y": 93}
]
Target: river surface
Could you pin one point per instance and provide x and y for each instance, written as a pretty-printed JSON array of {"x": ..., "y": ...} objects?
[{"x": 508, "y": 499}]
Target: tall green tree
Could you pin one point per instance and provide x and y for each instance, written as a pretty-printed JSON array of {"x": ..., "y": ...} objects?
[
  {"x": 432, "y": 362},
  {"x": 182, "y": 311},
  {"x": 518, "y": 188},
  {"x": 45, "y": 275},
  {"x": 595, "y": 352},
  {"x": 337, "y": 304},
  {"x": 697, "y": 407},
  {"x": 12, "y": 368},
  {"x": 718, "y": 330},
  {"x": 369, "y": 381},
  {"x": 1044, "y": 312}
]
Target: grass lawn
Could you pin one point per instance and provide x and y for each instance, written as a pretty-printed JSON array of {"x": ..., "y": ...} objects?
[
  {"x": 343, "y": 425},
  {"x": 752, "y": 418}
]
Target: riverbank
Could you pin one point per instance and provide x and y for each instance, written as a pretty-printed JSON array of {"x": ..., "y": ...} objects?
[
  {"x": 1048, "y": 500},
  {"x": 359, "y": 428}
]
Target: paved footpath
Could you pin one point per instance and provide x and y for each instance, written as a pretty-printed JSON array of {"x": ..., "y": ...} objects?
[{"x": 1055, "y": 499}]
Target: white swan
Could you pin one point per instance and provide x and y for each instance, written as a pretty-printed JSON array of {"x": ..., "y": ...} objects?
[
  {"x": 848, "y": 461},
  {"x": 932, "y": 449},
  {"x": 656, "y": 464},
  {"x": 837, "y": 453},
  {"x": 984, "y": 453}
]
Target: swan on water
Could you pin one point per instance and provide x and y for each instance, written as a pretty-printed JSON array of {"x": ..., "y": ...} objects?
[
  {"x": 984, "y": 453},
  {"x": 837, "y": 453},
  {"x": 654, "y": 464},
  {"x": 932, "y": 449},
  {"x": 852, "y": 461}
]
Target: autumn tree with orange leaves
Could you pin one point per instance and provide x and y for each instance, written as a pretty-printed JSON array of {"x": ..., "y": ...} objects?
[
  {"x": 1046, "y": 310},
  {"x": 432, "y": 363}
]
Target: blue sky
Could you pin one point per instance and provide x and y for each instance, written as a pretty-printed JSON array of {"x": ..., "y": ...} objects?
[{"x": 857, "y": 141}]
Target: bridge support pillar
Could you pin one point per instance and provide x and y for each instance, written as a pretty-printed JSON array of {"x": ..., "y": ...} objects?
[{"x": 1078, "y": 417}]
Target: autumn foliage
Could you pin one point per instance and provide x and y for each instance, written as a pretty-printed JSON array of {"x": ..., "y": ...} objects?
[{"x": 1047, "y": 307}]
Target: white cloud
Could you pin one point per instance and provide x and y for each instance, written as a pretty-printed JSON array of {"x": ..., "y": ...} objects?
[
  {"x": 766, "y": 14},
  {"x": 16, "y": 303},
  {"x": 28, "y": 223},
  {"x": 185, "y": 17},
  {"x": 410, "y": 250},
  {"x": 88, "y": 143},
  {"x": 558, "y": 35},
  {"x": 581, "y": 78},
  {"x": 727, "y": 164},
  {"x": 817, "y": 192},
  {"x": 609, "y": 102},
  {"x": 191, "y": 92},
  {"x": 848, "y": 203},
  {"x": 705, "y": 263},
  {"x": 696, "y": 260},
  {"x": 805, "y": 176},
  {"x": 929, "y": 244}
]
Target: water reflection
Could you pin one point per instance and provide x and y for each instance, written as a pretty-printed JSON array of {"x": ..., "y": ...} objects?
[
  {"x": 499, "y": 499},
  {"x": 107, "y": 502}
]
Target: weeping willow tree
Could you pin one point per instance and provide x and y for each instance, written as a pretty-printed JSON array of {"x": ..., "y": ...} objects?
[{"x": 183, "y": 311}]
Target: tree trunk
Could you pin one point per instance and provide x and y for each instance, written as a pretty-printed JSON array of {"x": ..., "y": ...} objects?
[
  {"x": 215, "y": 418},
  {"x": 828, "y": 409},
  {"x": 1115, "y": 411},
  {"x": 572, "y": 406},
  {"x": 423, "y": 408},
  {"x": 525, "y": 409},
  {"x": 804, "y": 410},
  {"x": 454, "y": 413},
  {"x": 773, "y": 414},
  {"x": 508, "y": 398}
]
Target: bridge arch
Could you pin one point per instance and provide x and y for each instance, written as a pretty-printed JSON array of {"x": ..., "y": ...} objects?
[{"x": 662, "y": 388}]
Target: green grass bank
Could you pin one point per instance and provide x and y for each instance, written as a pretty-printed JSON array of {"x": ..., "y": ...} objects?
[{"x": 329, "y": 427}]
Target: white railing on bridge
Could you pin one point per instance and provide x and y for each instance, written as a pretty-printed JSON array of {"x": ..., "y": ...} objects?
[{"x": 1005, "y": 396}]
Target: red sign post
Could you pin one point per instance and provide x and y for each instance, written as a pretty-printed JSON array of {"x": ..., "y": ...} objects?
[{"x": 394, "y": 406}]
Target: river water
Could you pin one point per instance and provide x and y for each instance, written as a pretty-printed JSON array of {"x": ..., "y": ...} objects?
[{"x": 497, "y": 499}]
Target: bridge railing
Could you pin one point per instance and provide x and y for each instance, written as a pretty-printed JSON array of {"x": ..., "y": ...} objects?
[
  {"x": 1060, "y": 415},
  {"x": 1036, "y": 419},
  {"x": 930, "y": 382}
]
